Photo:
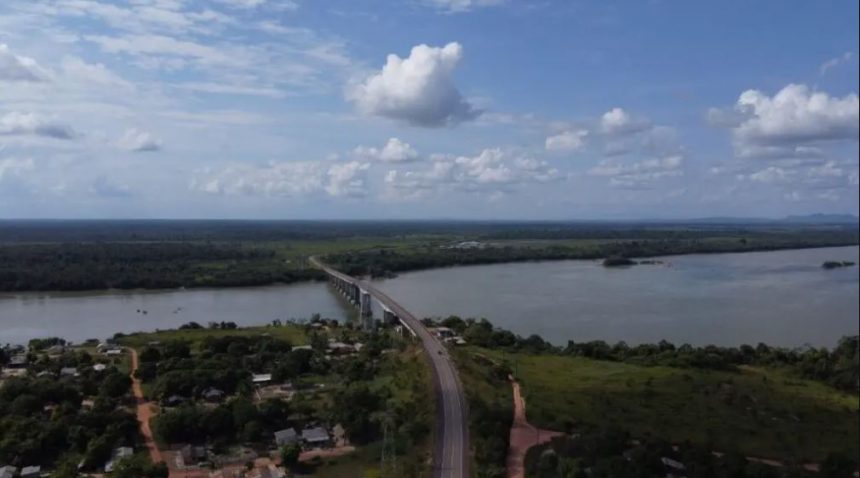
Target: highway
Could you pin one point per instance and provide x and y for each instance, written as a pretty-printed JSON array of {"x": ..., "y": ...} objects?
[{"x": 451, "y": 459}]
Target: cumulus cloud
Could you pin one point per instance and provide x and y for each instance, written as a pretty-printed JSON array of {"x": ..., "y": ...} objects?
[
  {"x": 492, "y": 170},
  {"x": 394, "y": 151},
  {"x": 641, "y": 174},
  {"x": 791, "y": 122},
  {"x": 284, "y": 179},
  {"x": 418, "y": 90},
  {"x": 139, "y": 141},
  {"x": 19, "y": 68},
  {"x": 566, "y": 141},
  {"x": 347, "y": 179},
  {"x": 619, "y": 122},
  {"x": 16, "y": 123}
]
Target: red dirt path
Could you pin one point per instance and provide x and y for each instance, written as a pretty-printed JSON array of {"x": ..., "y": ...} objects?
[
  {"x": 523, "y": 435},
  {"x": 144, "y": 411}
]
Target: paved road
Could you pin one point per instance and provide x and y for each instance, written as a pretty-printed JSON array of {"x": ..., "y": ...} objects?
[{"x": 451, "y": 456}]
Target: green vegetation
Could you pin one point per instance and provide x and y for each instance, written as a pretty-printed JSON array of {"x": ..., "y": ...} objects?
[
  {"x": 59, "y": 419},
  {"x": 616, "y": 261},
  {"x": 756, "y": 411},
  {"x": 93, "y": 255},
  {"x": 620, "y": 245},
  {"x": 748, "y": 401},
  {"x": 364, "y": 392}
]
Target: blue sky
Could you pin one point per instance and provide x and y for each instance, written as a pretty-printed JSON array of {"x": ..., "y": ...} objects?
[{"x": 491, "y": 109}]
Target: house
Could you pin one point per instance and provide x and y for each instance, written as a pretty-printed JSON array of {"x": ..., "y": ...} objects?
[
  {"x": 8, "y": 471},
  {"x": 69, "y": 372},
  {"x": 444, "y": 332},
  {"x": 99, "y": 367},
  {"x": 340, "y": 348},
  {"x": 114, "y": 352},
  {"x": 286, "y": 437},
  {"x": 673, "y": 465},
  {"x": 261, "y": 378},
  {"x": 174, "y": 401},
  {"x": 213, "y": 395},
  {"x": 17, "y": 361},
  {"x": 56, "y": 350},
  {"x": 44, "y": 373},
  {"x": 117, "y": 455},
  {"x": 316, "y": 437},
  {"x": 31, "y": 472},
  {"x": 302, "y": 347},
  {"x": 192, "y": 455},
  {"x": 266, "y": 471}
]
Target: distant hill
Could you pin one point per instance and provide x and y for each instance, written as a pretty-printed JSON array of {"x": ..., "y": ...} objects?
[{"x": 822, "y": 219}]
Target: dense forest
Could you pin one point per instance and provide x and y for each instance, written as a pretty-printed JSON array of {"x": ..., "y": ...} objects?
[
  {"x": 91, "y": 255},
  {"x": 385, "y": 262},
  {"x": 149, "y": 265}
]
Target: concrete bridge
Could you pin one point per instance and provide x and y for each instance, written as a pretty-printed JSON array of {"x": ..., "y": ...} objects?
[{"x": 451, "y": 453}]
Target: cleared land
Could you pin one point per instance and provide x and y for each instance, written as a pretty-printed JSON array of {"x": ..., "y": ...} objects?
[{"x": 756, "y": 412}]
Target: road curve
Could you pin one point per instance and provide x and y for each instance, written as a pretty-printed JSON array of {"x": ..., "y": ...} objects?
[{"x": 450, "y": 458}]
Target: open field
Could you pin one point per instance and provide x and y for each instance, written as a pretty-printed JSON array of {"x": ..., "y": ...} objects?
[
  {"x": 755, "y": 412},
  {"x": 293, "y": 334}
]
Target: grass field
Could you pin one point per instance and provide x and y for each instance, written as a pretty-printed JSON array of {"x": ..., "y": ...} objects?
[
  {"x": 756, "y": 412},
  {"x": 293, "y": 334}
]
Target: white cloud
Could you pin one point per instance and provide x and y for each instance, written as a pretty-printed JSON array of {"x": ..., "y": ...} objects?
[
  {"x": 771, "y": 174},
  {"x": 566, "y": 141},
  {"x": 76, "y": 69},
  {"x": 641, "y": 174},
  {"x": 284, "y": 179},
  {"x": 792, "y": 122},
  {"x": 16, "y": 123},
  {"x": 139, "y": 141},
  {"x": 834, "y": 62},
  {"x": 458, "y": 6},
  {"x": 492, "y": 171},
  {"x": 347, "y": 179},
  {"x": 248, "y": 4},
  {"x": 395, "y": 151},
  {"x": 19, "y": 68},
  {"x": 619, "y": 122},
  {"x": 419, "y": 89}
]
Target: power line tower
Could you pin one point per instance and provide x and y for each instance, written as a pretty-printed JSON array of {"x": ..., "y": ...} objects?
[{"x": 388, "y": 462}]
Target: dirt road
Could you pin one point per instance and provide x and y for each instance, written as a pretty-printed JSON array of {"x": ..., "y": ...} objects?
[
  {"x": 144, "y": 411},
  {"x": 523, "y": 435}
]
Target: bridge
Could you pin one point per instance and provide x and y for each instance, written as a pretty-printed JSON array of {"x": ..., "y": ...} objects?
[{"x": 451, "y": 453}]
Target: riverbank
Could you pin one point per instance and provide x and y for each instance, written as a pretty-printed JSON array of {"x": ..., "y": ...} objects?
[{"x": 128, "y": 256}]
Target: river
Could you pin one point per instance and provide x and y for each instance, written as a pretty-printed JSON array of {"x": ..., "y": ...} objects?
[{"x": 780, "y": 298}]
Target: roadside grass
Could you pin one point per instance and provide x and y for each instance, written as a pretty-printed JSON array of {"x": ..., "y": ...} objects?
[
  {"x": 756, "y": 412},
  {"x": 291, "y": 333}
]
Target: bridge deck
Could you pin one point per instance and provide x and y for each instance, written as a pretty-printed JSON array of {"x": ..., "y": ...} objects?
[{"x": 452, "y": 429}]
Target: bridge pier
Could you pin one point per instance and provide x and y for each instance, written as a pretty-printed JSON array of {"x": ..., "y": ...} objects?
[{"x": 366, "y": 310}]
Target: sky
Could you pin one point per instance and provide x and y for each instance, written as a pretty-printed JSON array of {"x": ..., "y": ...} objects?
[{"x": 427, "y": 109}]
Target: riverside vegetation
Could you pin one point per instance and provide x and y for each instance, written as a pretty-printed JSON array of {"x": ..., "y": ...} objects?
[
  {"x": 797, "y": 406},
  {"x": 93, "y": 255}
]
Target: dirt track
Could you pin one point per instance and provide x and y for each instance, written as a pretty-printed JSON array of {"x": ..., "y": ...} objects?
[
  {"x": 144, "y": 412},
  {"x": 523, "y": 435}
]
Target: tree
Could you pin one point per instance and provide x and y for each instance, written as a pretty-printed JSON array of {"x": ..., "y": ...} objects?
[{"x": 290, "y": 455}]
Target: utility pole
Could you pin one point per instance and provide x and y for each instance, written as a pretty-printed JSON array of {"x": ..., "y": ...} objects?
[{"x": 388, "y": 461}]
